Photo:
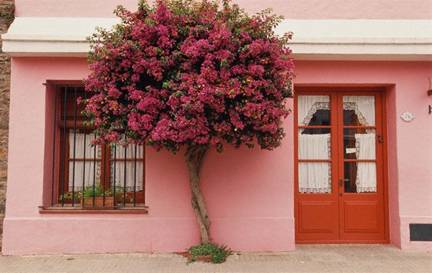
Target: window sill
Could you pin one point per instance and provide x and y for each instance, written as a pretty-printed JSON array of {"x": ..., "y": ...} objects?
[{"x": 80, "y": 210}]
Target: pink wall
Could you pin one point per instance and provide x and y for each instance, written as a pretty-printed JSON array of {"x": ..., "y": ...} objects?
[
  {"x": 392, "y": 164},
  {"x": 242, "y": 204},
  {"x": 292, "y": 9},
  {"x": 250, "y": 210}
]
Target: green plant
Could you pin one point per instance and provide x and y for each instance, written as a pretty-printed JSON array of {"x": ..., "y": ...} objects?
[
  {"x": 98, "y": 191},
  {"x": 93, "y": 191},
  {"x": 67, "y": 196},
  {"x": 217, "y": 253}
]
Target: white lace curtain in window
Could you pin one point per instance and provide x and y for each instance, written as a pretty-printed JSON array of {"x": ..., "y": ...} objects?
[
  {"x": 314, "y": 177},
  {"x": 366, "y": 171},
  {"x": 90, "y": 171},
  {"x": 133, "y": 177}
]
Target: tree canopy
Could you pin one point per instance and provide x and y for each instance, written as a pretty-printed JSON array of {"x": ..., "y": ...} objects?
[{"x": 190, "y": 73}]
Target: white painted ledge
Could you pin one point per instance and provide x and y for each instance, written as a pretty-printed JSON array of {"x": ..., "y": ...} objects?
[{"x": 313, "y": 39}]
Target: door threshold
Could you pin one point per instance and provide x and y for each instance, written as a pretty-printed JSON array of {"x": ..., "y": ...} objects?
[{"x": 347, "y": 242}]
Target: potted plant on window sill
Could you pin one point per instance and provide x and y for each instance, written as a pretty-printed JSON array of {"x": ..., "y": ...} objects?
[
  {"x": 66, "y": 198},
  {"x": 96, "y": 197}
]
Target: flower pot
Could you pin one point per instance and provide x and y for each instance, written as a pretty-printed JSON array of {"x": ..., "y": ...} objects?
[{"x": 98, "y": 202}]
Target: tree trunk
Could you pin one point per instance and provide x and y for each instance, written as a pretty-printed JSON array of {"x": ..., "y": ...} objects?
[{"x": 194, "y": 158}]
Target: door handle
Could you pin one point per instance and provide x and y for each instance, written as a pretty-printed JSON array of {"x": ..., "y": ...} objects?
[
  {"x": 340, "y": 186},
  {"x": 380, "y": 139}
]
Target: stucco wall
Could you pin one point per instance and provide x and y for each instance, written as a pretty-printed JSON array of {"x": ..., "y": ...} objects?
[
  {"x": 292, "y": 9},
  {"x": 249, "y": 193},
  {"x": 6, "y": 17}
]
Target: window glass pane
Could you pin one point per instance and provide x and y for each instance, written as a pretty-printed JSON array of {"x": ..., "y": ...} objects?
[
  {"x": 90, "y": 173},
  {"x": 69, "y": 103},
  {"x": 134, "y": 177},
  {"x": 314, "y": 143},
  {"x": 359, "y": 143},
  {"x": 360, "y": 177},
  {"x": 313, "y": 110},
  {"x": 314, "y": 177},
  {"x": 77, "y": 141},
  {"x": 359, "y": 110},
  {"x": 129, "y": 152}
]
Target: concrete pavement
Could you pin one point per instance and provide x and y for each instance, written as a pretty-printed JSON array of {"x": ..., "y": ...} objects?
[{"x": 307, "y": 258}]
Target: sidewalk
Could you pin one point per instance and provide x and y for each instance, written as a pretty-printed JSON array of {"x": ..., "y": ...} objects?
[{"x": 310, "y": 259}]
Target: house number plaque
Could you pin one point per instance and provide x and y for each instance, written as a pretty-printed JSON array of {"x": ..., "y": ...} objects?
[{"x": 407, "y": 116}]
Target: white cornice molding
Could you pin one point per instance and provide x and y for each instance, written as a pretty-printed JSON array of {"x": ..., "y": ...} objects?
[{"x": 313, "y": 39}]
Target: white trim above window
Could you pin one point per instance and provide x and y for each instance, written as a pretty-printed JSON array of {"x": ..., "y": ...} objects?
[{"x": 313, "y": 39}]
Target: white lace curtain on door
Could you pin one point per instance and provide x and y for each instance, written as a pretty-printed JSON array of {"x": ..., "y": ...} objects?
[
  {"x": 313, "y": 177},
  {"x": 366, "y": 171},
  {"x": 364, "y": 108},
  {"x": 309, "y": 105},
  {"x": 316, "y": 177}
]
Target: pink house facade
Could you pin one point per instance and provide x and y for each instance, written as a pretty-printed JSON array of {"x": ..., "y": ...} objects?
[{"x": 363, "y": 71}]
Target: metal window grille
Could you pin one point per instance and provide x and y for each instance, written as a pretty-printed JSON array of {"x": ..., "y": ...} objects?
[{"x": 106, "y": 176}]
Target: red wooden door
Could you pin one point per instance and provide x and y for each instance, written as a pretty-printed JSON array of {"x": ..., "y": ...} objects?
[{"x": 340, "y": 186}]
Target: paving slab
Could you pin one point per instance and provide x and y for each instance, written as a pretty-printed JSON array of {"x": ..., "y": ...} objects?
[{"x": 305, "y": 259}]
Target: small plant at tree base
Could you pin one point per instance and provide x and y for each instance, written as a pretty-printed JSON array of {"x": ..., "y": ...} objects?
[
  {"x": 217, "y": 254},
  {"x": 197, "y": 75}
]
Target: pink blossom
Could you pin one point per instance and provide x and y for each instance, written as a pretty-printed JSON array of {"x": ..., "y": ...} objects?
[{"x": 190, "y": 77}]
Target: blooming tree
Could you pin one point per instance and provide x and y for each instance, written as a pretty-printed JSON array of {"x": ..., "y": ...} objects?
[{"x": 194, "y": 74}]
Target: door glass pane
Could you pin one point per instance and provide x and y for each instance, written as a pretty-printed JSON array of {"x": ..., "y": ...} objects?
[
  {"x": 313, "y": 110},
  {"x": 359, "y": 110},
  {"x": 359, "y": 143},
  {"x": 314, "y": 143},
  {"x": 314, "y": 177},
  {"x": 360, "y": 177}
]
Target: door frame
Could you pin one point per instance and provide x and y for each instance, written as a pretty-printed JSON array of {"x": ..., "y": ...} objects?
[{"x": 320, "y": 89}]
